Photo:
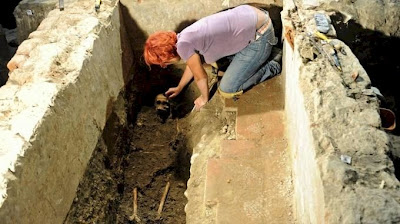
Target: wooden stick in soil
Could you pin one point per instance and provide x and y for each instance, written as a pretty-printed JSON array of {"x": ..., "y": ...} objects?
[
  {"x": 164, "y": 196},
  {"x": 135, "y": 216}
]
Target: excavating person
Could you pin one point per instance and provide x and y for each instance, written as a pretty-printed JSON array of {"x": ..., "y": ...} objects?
[{"x": 244, "y": 32}]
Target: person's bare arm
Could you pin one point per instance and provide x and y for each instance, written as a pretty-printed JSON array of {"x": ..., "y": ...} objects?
[
  {"x": 186, "y": 77},
  {"x": 200, "y": 77}
]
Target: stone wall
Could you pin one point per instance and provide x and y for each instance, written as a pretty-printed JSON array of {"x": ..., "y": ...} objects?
[
  {"x": 54, "y": 107},
  {"x": 28, "y": 15},
  {"x": 379, "y": 15},
  {"x": 332, "y": 114}
]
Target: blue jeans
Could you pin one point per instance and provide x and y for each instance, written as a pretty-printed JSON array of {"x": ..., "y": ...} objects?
[{"x": 250, "y": 66}]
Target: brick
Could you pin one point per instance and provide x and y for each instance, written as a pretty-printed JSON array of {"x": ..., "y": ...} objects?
[
  {"x": 235, "y": 185},
  {"x": 240, "y": 149},
  {"x": 250, "y": 183},
  {"x": 250, "y": 190},
  {"x": 266, "y": 96},
  {"x": 266, "y": 125}
]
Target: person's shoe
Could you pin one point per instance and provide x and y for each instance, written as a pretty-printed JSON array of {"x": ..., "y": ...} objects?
[{"x": 276, "y": 55}]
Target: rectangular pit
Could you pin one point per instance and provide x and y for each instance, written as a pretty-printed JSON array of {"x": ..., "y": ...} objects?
[{"x": 54, "y": 114}]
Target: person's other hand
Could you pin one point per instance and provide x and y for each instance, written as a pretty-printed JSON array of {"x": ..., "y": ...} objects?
[
  {"x": 200, "y": 102},
  {"x": 173, "y": 92}
]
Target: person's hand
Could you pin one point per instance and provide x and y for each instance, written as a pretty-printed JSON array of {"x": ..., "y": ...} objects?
[
  {"x": 200, "y": 102},
  {"x": 173, "y": 92}
]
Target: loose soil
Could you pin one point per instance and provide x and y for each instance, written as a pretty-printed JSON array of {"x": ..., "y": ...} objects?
[{"x": 149, "y": 160}]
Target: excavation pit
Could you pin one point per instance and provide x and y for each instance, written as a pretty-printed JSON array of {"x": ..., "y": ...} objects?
[
  {"x": 148, "y": 153},
  {"x": 80, "y": 130}
]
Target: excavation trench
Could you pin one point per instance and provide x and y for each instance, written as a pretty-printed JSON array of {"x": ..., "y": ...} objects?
[
  {"x": 91, "y": 112},
  {"x": 146, "y": 154}
]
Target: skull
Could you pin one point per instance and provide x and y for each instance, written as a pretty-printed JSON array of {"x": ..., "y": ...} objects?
[{"x": 162, "y": 106}]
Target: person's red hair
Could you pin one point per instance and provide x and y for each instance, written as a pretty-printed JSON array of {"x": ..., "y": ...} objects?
[{"x": 160, "y": 47}]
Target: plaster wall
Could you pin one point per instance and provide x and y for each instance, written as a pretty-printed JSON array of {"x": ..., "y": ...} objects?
[
  {"x": 53, "y": 110},
  {"x": 308, "y": 189}
]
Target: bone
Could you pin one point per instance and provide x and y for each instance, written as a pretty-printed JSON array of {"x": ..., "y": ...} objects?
[
  {"x": 162, "y": 106},
  {"x": 161, "y": 102},
  {"x": 164, "y": 196},
  {"x": 135, "y": 216}
]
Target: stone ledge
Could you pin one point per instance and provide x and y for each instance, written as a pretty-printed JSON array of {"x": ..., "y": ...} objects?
[
  {"x": 53, "y": 109},
  {"x": 328, "y": 116}
]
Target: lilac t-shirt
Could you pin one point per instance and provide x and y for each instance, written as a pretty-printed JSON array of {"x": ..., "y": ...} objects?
[{"x": 218, "y": 35}]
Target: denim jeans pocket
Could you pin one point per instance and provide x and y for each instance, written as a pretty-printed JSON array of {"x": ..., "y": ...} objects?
[{"x": 270, "y": 35}]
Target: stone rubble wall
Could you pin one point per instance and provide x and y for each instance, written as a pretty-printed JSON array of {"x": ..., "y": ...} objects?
[
  {"x": 54, "y": 107},
  {"x": 379, "y": 15},
  {"x": 329, "y": 116}
]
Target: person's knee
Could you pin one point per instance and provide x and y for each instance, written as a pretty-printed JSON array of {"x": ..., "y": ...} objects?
[{"x": 229, "y": 94}]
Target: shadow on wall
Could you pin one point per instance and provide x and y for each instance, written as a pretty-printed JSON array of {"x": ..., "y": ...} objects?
[
  {"x": 7, "y": 20},
  {"x": 5, "y": 56},
  {"x": 135, "y": 34},
  {"x": 126, "y": 48},
  {"x": 144, "y": 83},
  {"x": 183, "y": 25}
]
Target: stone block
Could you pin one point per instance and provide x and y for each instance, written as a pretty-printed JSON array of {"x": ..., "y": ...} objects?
[
  {"x": 268, "y": 125},
  {"x": 239, "y": 149},
  {"x": 250, "y": 190},
  {"x": 53, "y": 110},
  {"x": 235, "y": 185},
  {"x": 272, "y": 89}
]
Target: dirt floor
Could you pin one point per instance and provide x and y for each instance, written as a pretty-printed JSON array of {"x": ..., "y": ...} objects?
[
  {"x": 148, "y": 161},
  {"x": 149, "y": 153}
]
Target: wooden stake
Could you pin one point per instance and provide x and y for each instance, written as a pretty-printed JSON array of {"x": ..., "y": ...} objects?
[{"x": 164, "y": 196}]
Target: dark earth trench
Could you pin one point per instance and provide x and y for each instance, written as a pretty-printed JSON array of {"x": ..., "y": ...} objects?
[
  {"x": 148, "y": 153},
  {"x": 145, "y": 156}
]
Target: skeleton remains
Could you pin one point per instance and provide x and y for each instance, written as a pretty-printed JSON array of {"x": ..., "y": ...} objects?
[{"x": 163, "y": 106}]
